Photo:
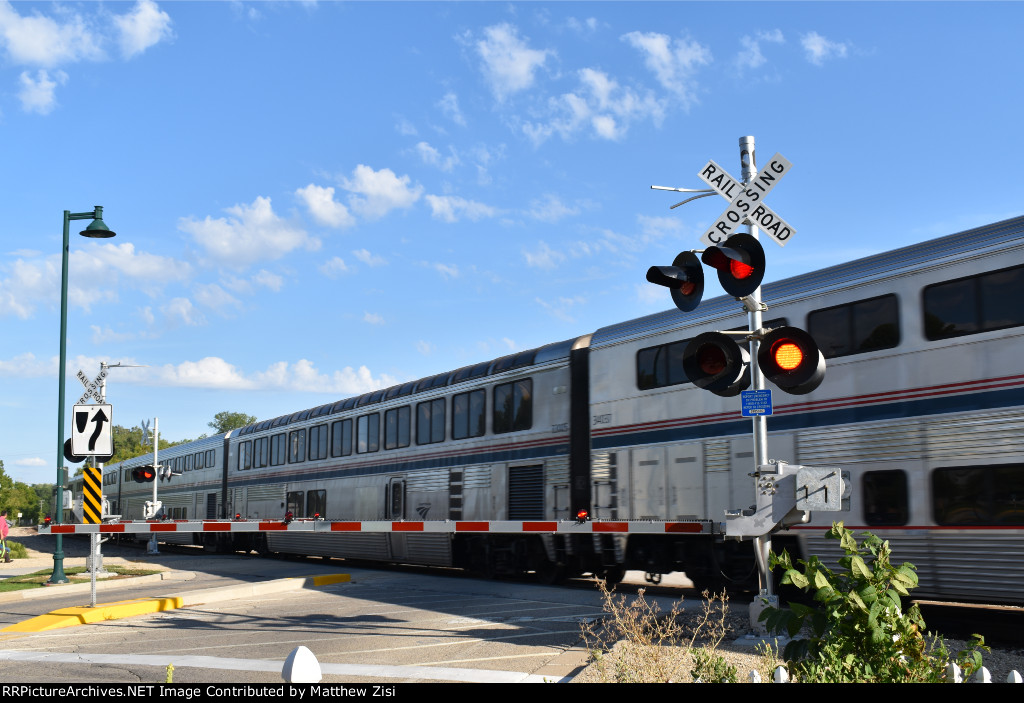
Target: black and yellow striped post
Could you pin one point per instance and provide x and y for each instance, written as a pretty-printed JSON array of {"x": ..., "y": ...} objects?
[{"x": 92, "y": 496}]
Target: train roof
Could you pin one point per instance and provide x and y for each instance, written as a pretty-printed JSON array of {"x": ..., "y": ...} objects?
[
  {"x": 859, "y": 271},
  {"x": 549, "y": 353}
]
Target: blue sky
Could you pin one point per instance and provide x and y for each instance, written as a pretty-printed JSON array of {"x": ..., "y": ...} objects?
[{"x": 313, "y": 200}]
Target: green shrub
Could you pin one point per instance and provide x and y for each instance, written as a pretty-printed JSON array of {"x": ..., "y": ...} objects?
[{"x": 857, "y": 630}]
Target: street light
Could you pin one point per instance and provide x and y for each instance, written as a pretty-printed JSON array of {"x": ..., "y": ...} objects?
[{"x": 97, "y": 229}]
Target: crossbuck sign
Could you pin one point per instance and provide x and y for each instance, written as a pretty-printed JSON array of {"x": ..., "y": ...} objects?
[{"x": 747, "y": 202}]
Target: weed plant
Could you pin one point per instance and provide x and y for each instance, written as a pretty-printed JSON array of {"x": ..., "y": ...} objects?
[{"x": 856, "y": 630}]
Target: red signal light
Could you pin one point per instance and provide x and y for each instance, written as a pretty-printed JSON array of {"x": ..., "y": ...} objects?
[
  {"x": 581, "y": 516},
  {"x": 740, "y": 264},
  {"x": 790, "y": 358},
  {"x": 787, "y": 354},
  {"x": 715, "y": 362},
  {"x": 711, "y": 359},
  {"x": 740, "y": 270}
]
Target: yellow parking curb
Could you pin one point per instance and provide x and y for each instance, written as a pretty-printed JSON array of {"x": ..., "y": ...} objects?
[
  {"x": 84, "y": 615},
  {"x": 330, "y": 579}
]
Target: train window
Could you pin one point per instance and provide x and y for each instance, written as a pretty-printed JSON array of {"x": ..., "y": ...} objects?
[
  {"x": 469, "y": 414},
  {"x": 396, "y": 427},
  {"x": 187, "y": 462},
  {"x": 974, "y": 304},
  {"x": 341, "y": 438},
  {"x": 316, "y": 503},
  {"x": 979, "y": 495},
  {"x": 368, "y": 433},
  {"x": 437, "y": 381},
  {"x": 278, "y": 449},
  {"x": 260, "y": 452},
  {"x": 294, "y": 500},
  {"x": 657, "y": 367},
  {"x": 318, "y": 442},
  {"x": 513, "y": 406},
  {"x": 855, "y": 328},
  {"x": 211, "y": 458},
  {"x": 199, "y": 460},
  {"x": 245, "y": 455},
  {"x": 885, "y": 497},
  {"x": 296, "y": 446},
  {"x": 430, "y": 421}
]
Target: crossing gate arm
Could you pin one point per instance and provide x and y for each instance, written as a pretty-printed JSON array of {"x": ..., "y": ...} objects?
[{"x": 341, "y": 526}]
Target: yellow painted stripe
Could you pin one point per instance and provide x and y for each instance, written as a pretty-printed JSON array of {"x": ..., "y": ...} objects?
[
  {"x": 331, "y": 578},
  {"x": 84, "y": 615}
]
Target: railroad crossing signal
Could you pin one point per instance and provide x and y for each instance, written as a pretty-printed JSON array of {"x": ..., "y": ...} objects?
[
  {"x": 787, "y": 356},
  {"x": 91, "y": 431},
  {"x": 92, "y": 388},
  {"x": 144, "y": 474},
  {"x": 747, "y": 201}
]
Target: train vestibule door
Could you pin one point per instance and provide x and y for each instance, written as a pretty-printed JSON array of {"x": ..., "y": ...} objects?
[{"x": 396, "y": 511}]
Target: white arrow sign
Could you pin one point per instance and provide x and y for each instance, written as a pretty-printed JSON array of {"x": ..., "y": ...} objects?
[
  {"x": 91, "y": 430},
  {"x": 747, "y": 202}
]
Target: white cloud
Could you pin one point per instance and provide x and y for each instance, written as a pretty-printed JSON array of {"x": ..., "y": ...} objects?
[
  {"x": 268, "y": 280},
  {"x": 373, "y": 318},
  {"x": 673, "y": 61},
  {"x": 334, "y": 267},
  {"x": 450, "y": 208},
  {"x": 181, "y": 310},
  {"x": 253, "y": 232},
  {"x": 28, "y": 366},
  {"x": 141, "y": 28},
  {"x": 213, "y": 296},
  {"x": 376, "y": 193},
  {"x": 509, "y": 63},
  {"x": 550, "y": 209},
  {"x": 31, "y": 461},
  {"x": 545, "y": 257},
  {"x": 449, "y": 105},
  {"x": 432, "y": 156},
  {"x": 42, "y": 41},
  {"x": 600, "y": 103},
  {"x": 405, "y": 127},
  {"x": 37, "y": 94},
  {"x": 425, "y": 348},
  {"x": 561, "y": 307},
  {"x": 367, "y": 258},
  {"x": 106, "y": 335},
  {"x": 95, "y": 271},
  {"x": 323, "y": 207},
  {"x": 751, "y": 56},
  {"x": 447, "y": 270},
  {"x": 818, "y": 48}
]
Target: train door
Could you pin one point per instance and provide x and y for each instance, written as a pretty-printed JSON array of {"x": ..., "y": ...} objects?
[
  {"x": 685, "y": 482},
  {"x": 396, "y": 511},
  {"x": 604, "y": 472},
  {"x": 211, "y": 506},
  {"x": 647, "y": 484}
]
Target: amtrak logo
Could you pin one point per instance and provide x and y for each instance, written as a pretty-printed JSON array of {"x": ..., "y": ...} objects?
[{"x": 422, "y": 510}]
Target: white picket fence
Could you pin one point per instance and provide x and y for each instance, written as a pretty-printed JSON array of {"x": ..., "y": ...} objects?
[{"x": 982, "y": 675}]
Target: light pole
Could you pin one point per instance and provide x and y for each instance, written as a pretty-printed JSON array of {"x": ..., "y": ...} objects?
[{"x": 96, "y": 230}]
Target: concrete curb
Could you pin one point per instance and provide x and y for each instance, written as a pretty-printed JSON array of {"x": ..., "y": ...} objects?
[{"x": 70, "y": 617}]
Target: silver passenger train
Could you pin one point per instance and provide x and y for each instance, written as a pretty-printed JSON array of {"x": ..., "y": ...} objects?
[{"x": 923, "y": 402}]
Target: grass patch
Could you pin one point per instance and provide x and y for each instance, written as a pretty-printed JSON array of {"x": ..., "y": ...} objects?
[{"x": 75, "y": 574}]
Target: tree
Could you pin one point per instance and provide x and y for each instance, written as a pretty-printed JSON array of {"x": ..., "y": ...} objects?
[{"x": 225, "y": 421}]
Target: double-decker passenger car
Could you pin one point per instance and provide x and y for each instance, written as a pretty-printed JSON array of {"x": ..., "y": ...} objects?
[{"x": 923, "y": 402}]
